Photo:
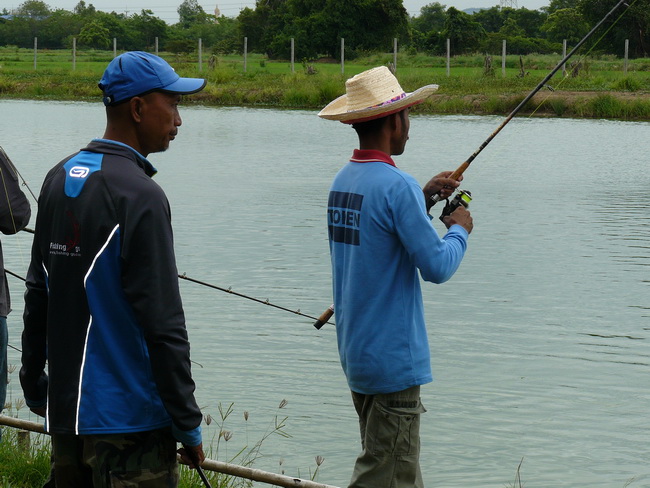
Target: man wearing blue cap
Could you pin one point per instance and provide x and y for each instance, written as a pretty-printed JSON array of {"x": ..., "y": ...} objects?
[{"x": 102, "y": 304}]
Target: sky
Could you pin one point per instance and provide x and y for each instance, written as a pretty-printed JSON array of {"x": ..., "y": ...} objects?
[{"x": 166, "y": 9}]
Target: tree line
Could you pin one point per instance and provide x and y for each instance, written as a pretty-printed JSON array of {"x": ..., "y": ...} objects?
[{"x": 317, "y": 26}]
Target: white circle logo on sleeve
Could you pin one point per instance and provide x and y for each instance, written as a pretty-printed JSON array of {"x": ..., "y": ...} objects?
[{"x": 79, "y": 172}]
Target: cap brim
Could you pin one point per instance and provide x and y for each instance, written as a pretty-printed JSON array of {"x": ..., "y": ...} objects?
[
  {"x": 336, "y": 110},
  {"x": 185, "y": 86}
]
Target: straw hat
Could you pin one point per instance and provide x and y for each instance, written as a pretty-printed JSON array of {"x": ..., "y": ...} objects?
[{"x": 372, "y": 94}]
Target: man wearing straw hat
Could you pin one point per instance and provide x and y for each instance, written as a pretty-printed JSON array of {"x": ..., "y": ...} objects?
[{"x": 380, "y": 237}]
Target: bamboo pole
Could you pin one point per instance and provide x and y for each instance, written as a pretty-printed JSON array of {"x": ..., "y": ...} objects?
[
  {"x": 22, "y": 424},
  {"x": 259, "y": 475},
  {"x": 209, "y": 464}
]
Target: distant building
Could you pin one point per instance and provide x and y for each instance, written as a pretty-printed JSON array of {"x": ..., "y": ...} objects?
[{"x": 217, "y": 14}]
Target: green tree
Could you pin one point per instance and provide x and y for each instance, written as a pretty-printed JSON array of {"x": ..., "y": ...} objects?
[
  {"x": 510, "y": 28},
  {"x": 118, "y": 28},
  {"x": 251, "y": 25},
  {"x": 566, "y": 23},
  {"x": 85, "y": 10},
  {"x": 431, "y": 18},
  {"x": 34, "y": 9},
  {"x": 27, "y": 21},
  {"x": 56, "y": 31},
  {"x": 190, "y": 13},
  {"x": 225, "y": 36},
  {"x": 464, "y": 33},
  {"x": 556, "y": 5},
  {"x": 318, "y": 25},
  {"x": 146, "y": 27},
  {"x": 94, "y": 35},
  {"x": 529, "y": 20},
  {"x": 492, "y": 19}
]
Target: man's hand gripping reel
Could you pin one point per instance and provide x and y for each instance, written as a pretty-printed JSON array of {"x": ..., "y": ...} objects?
[{"x": 463, "y": 197}]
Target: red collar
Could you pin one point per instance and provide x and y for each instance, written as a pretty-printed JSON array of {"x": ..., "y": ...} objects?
[{"x": 371, "y": 156}]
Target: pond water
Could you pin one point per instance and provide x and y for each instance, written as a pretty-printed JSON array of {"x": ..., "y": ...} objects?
[{"x": 539, "y": 342}]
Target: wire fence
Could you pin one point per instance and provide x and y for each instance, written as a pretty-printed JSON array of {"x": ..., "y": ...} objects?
[{"x": 200, "y": 55}]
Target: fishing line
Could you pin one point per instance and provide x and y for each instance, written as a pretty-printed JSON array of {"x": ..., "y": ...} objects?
[
  {"x": 584, "y": 56},
  {"x": 463, "y": 167},
  {"x": 13, "y": 167}
]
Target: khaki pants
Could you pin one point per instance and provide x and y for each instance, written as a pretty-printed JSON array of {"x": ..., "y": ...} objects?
[
  {"x": 136, "y": 460},
  {"x": 390, "y": 440}
]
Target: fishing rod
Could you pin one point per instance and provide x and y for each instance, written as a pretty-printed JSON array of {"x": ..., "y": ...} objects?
[
  {"x": 195, "y": 459},
  {"x": 226, "y": 290},
  {"x": 263, "y": 302},
  {"x": 461, "y": 169},
  {"x": 463, "y": 197},
  {"x": 215, "y": 287}
]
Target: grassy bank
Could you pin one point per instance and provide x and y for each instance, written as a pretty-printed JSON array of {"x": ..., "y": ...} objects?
[
  {"x": 27, "y": 465},
  {"x": 598, "y": 89}
]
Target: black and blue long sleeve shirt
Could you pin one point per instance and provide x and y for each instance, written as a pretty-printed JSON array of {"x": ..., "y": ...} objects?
[{"x": 102, "y": 305}]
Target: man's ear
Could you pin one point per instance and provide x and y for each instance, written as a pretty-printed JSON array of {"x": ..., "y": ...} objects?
[
  {"x": 394, "y": 121},
  {"x": 135, "y": 105}
]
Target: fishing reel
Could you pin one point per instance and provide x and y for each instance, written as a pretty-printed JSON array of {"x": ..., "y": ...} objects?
[{"x": 463, "y": 197}]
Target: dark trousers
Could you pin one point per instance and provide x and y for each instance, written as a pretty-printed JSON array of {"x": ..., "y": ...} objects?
[{"x": 141, "y": 459}]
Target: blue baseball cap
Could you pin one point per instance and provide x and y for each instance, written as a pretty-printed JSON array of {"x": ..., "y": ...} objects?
[{"x": 136, "y": 73}]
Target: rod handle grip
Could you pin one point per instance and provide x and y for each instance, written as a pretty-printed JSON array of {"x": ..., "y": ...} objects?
[{"x": 324, "y": 317}]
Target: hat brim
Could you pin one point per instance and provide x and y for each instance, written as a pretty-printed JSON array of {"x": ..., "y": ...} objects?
[
  {"x": 336, "y": 110},
  {"x": 185, "y": 86}
]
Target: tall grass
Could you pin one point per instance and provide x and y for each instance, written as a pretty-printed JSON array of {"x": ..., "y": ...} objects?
[{"x": 22, "y": 465}]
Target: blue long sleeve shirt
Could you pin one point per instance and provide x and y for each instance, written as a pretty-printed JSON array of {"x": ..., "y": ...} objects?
[{"x": 381, "y": 241}]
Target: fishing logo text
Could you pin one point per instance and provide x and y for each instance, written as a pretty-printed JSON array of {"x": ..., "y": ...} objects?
[{"x": 64, "y": 250}]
